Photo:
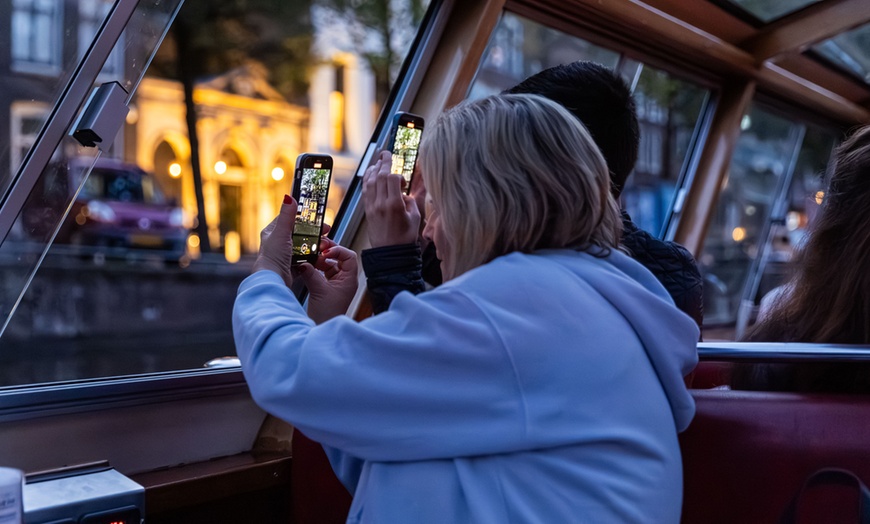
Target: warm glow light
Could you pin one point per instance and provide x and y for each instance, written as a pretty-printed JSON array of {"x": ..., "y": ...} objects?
[
  {"x": 738, "y": 234},
  {"x": 220, "y": 167},
  {"x": 277, "y": 174},
  {"x": 175, "y": 170},
  {"x": 336, "y": 120},
  {"x": 329, "y": 216},
  {"x": 820, "y": 196},
  {"x": 132, "y": 115},
  {"x": 193, "y": 245},
  {"x": 232, "y": 247}
]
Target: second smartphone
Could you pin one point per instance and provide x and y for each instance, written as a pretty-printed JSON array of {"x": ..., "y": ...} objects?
[
  {"x": 310, "y": 189},
  {"x": 405, "y": 134}
]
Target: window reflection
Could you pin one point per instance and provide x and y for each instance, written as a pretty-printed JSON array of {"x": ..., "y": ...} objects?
[
  {"x": 765, "y": 206},
  {"x": 144, "y": 270},
  {"x": 668, "y": 110},
  {"x": 790, "y": 220},
  {"x": 770, "y": 10},
  {"x": 36, "y": 33},
  {"x": 520, "y": 48},
  {"x": 849, "y": 51},
  {"x": 34, "y": 67}
]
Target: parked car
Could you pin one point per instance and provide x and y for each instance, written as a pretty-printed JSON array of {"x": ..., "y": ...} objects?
[{"x": 120, "y": 205}]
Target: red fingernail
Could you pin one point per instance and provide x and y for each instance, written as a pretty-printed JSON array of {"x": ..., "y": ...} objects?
[{"x": 287, "y": 199}]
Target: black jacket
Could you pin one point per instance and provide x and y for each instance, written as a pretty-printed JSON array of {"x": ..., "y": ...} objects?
[
  {"x": 392, "y": 269},
  {"x": 671, "y": 263}
]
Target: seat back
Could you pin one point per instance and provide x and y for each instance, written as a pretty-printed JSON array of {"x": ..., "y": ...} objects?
[{"x": 747, "y": 454}]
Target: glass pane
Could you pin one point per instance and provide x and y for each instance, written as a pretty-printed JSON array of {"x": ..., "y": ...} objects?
[
  {"x": 37, "y": 71},
  {"x": 46, "y": 316},
  {"x": 668, "y": 108},
  {"x": 850, "y": 51},
  {"x": 520, "y": 48},
  {"x": 770, "y": 10},
  {"x": 668, "y": 111},
  {"x": 762, "y": 158},
  {"x": 144, "y": 270},
  {"x": 802, "y": 202}
]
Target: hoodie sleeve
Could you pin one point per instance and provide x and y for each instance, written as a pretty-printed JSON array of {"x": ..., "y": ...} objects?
[{"x": 421, "y": 381}]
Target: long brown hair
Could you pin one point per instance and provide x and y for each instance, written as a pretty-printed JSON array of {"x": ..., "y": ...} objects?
[{"x": 828, "y": 297}]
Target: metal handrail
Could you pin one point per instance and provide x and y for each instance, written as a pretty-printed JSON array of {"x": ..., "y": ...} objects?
[{"x": 782, "y": 352}]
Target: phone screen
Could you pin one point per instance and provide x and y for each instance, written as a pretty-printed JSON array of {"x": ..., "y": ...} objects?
[
  {"x": 313, "y": 191},
  {"x": 405, "y": 147}
]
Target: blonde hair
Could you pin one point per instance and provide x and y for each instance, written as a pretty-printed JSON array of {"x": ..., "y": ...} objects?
[{"x": 516, "y": 173}]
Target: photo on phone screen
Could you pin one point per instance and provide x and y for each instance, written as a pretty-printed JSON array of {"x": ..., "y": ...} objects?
[
  {"x": 407, "y": 132},
  {"x": 310, "y": 189}
]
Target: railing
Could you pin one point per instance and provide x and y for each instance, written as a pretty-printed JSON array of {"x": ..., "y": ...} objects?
[{"x": 782, "y": 352}]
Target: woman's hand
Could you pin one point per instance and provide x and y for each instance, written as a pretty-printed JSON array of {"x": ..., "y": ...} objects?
[
  {"x": 393, "y": 217},
  {"x": 330, "y": 290},
  {"x": 276, "y": 243}
]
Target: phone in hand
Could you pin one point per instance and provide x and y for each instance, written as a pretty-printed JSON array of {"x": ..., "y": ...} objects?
[
  {"x": 405, "y": 134},
  {"x": 311, "y": 180}
]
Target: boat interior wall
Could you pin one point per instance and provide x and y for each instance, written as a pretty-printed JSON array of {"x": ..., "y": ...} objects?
[{"x": 135, "y": 438}]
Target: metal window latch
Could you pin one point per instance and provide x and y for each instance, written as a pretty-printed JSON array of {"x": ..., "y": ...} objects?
[{"x": 103, "y": 116}]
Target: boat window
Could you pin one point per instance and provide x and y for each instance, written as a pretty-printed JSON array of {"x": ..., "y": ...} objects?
[
  {"x": 767, "y": 201},
  {"x": 164, "y": 224},
  {"x": 43, "y": 56},
  {"x": 520, "y": 47},
  {"x": 669, "y": 109},
  {"x": 849, "y": 51},
  {"x": 789, "y": 221},
  {"x": 669, "y": 112},
  {"x": 766, "y": 10}
]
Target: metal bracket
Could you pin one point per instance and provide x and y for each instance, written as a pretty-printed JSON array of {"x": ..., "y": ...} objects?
[{"x": 103, "y": 116}]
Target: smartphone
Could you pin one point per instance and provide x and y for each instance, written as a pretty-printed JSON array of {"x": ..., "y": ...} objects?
[
  {"x": 404, "y": 144},
  {"x": 310, "y": 189}
]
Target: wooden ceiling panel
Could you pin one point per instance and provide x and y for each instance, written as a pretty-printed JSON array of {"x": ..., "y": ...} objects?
[{"x": 708, "y": 17}]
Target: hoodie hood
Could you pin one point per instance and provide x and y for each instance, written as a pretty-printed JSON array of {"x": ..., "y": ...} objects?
[{"x": 668, "y": 335}]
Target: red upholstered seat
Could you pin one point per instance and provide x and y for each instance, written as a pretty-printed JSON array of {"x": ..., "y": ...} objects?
[
  {"x": 747, "y": 454},
  {"x": 318, "y": 496}
]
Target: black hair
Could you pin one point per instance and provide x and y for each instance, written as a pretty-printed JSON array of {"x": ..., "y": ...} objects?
[{"x": 600, "y": 99}]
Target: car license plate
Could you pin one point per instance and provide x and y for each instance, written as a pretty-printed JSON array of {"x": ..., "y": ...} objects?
[{"x": 146, "y": 240}]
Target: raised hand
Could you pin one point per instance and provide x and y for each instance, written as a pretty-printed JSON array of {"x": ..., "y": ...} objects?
[
  {"x": 332, "y": 282},
  {"x": 276, "y": 242},
  {"x": 393, "y": 217}
]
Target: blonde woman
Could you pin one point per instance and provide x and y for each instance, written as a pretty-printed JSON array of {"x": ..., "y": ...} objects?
[{"x": 542, "y": 382}]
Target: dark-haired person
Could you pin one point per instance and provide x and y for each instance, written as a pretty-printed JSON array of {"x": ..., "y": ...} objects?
[
  {"x": 602, "y": 101},
  {"x": 827, "y": 299},
  {"x": 541, "y": 382}
]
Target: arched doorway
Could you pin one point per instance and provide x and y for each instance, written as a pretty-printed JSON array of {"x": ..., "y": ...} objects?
[
  {"x": 231, "y": 179},
  {"x": 168, "y": 170}
]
